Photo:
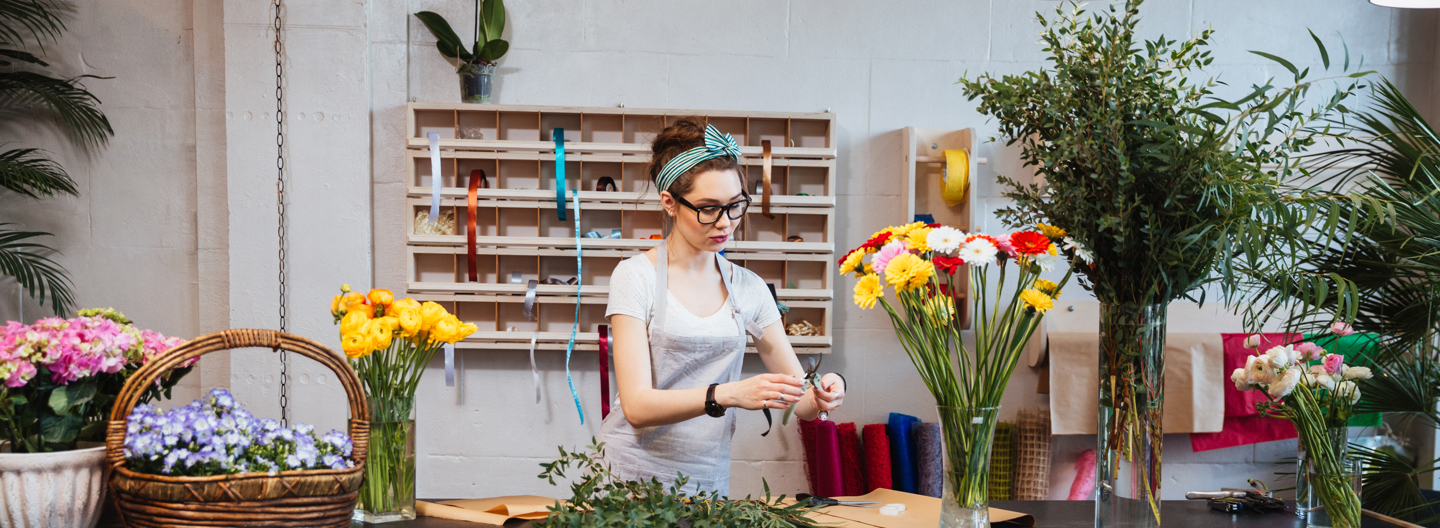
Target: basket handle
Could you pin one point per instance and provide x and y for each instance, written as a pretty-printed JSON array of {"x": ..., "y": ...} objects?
[{"x": 227, "y": 340}]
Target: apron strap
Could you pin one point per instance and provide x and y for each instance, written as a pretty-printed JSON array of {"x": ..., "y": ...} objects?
[
  {"x": 662, "y": 268},
  {"x": 746, "y": 324}
]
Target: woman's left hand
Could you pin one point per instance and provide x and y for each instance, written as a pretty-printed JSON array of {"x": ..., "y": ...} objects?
[{"x": 829, "y": 400}]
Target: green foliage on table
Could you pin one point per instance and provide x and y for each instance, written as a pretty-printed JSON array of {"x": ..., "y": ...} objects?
[
  {"x": 1162, "y": 180},
  {"x": 27, "y": 90},
  {"x": 487, "y": 46},
  {"x": 600, "y": 499}
]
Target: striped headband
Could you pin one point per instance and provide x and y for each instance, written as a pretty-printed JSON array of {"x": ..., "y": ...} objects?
[{"x": 716, "y": 145}]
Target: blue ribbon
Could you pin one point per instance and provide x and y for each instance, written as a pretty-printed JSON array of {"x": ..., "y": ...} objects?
[
  {"x": 575, "y": 326},
  {"x": 560, "y": 175}
]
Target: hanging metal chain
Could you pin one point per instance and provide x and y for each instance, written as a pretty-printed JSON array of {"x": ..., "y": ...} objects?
[{"x": 280, "y": 208}]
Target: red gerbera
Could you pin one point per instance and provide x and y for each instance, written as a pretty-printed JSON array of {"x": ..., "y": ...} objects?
[
  {"x": 1030, "y": 242},
  {"x": 947, "y": 264},
  {"x": 877, "y": 241},
  {"x": 847, "y": 255}
]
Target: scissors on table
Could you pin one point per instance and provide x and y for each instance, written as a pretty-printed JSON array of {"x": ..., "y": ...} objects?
[{"x": 816, "y": 500}]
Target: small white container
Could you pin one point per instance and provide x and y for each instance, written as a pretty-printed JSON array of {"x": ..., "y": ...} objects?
[{"x": 64, "y": 489}]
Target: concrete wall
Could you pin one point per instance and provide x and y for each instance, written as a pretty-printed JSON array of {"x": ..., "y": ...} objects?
[{"x": 182, "y": 204}]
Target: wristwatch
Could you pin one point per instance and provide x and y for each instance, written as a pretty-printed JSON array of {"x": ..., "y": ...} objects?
[{"x": 711, "y": 407}]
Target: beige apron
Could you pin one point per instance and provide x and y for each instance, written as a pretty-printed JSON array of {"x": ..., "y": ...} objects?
[{"x": 699, "y": 447}]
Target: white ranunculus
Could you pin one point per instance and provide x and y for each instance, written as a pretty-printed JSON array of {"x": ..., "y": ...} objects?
[
  {"x": 1241, "y": 379},
  {"x": 1282, "y": 356},
  {"x": 1357, "y": 373},
  {"x": 1318, "y": 377},
  {"x": 1261, "y": 371},
  {"x": 945, "y": 239},
  {"x": 1284, "y": 383},
  {"x": 1253, "y": 341},
  {"x": 1350, "y": 389}
]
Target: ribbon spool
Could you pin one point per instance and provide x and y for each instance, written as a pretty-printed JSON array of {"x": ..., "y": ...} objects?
[
  {"x": 604, "y": 371},
  {"x": 765, "y": 170},
  {"x": 956, "y": 179},
  {"x": 477, "y": 177}
]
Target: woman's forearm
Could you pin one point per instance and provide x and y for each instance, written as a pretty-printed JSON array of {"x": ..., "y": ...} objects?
[{"x": 655, "y": 407}]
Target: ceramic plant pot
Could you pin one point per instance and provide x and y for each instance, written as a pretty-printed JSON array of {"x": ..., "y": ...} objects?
[{"x": 63, "y": 489}]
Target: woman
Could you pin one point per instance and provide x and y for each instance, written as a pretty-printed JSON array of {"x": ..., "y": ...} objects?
[{"x": 681, "y": 313}]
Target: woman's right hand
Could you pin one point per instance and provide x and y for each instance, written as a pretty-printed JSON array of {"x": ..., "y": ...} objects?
[{"x": 776, "y": 391}]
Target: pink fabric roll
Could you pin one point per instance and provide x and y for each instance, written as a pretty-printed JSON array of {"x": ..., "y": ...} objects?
[
  {"x": 1084, "y": 484},
  {"x": 850, "y": 465},
  {"x": 877, "y": 457},
  {"x": 807, "y": 439},
  {"x": 829, "y": 481}
]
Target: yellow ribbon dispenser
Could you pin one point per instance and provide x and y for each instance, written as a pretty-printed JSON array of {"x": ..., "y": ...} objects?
[{"x": 956, "y": 179}]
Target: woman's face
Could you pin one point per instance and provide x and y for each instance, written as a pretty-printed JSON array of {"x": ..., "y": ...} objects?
[{"x": 710, "y": 189}]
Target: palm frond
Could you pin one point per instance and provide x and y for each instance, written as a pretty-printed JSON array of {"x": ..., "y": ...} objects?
[
  {"x": 66, "y": 99},
  {"x": 29, "y": 172},
  {"x": 26, "y": 261},
  {"x": 8, "y": 56},
  {"x": 1402, "y": 386},
  {"x": 39, "y": 19},
  {"x": 1392, "y": 485}
]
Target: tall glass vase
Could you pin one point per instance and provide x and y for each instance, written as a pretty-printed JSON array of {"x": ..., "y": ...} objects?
[
  {"x": 1132, "y": 395},
  {"x": 388, "y": 492},
  {"x": 1327, "y": 481},
  {"x": 969, "y": 434}
]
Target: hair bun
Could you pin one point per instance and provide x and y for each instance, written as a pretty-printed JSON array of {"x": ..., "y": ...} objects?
[{"x": 682, "y": 135}]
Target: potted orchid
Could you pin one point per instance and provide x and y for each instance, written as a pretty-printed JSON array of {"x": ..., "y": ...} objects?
[
  {"x": 927, "y": 266},
  {"x": 1316, "y": 391},
  {"x": 61, "y": 378},
  {"x": 477, "y": 61}
]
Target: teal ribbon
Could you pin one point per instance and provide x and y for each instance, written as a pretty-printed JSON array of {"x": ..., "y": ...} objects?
[
  {"x": 560, "y": 174},
  {"x": 575, "y": 326}
]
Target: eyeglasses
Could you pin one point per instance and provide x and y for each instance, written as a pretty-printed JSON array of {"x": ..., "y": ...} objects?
[{"x": 711, "y": 213}]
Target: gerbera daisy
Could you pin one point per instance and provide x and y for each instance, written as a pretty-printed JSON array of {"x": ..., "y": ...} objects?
[
  {"x": 978, "y": 251},
  {"x": 1030, "y": 242},
  {"x": 907, "y": 271},
  {"x": 867, "y": 290},
  {"x": 1048, "y": 288},
  {"x": 881, "y": 261},
  {"x": 945, "y": 239},
  {"x": 916, "y": 239},
  {"x": 1051, "y": 231},
  {"x": 1079, "y": 250},
  {"x": 851, "y": 262},
  {"x": 1037, "y": 300}
]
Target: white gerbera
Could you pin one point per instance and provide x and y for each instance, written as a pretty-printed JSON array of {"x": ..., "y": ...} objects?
[
  {"x": 1079, "y": 250},
  {"x": 945, "y": 239},
  {"x": 978, "y": 252}
]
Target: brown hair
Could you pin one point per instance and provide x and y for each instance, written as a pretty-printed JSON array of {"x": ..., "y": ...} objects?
[{"x": 686, "y": 133}]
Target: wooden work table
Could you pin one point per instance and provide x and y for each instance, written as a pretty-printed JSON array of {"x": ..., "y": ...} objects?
[{"x": 1058, "y": 514}]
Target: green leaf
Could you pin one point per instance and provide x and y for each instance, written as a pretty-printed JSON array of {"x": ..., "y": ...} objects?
[
  {"x": 1324, "y": 56},
  {"x": 38, "y": 19},
  {"x": 493, "y": 50},
  {"x": 60, "y": 429},
  {"x": 29, "y": 172},
  {"x": 67, "y": 100},
  {"x": 492, "y": 12},
  {"x": 1282, "y": 62},
  {"x": 36, "y": 273},
  {"x": 446, "y": 39}
]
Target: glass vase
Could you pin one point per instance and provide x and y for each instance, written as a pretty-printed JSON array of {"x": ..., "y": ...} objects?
[
  {"x": 1327, "y": 481},
  {"x": 388, "y": 492},
  {"x": 475, "y": 82},
  {"x": 1132, "y": 394},
  {"x": 969, "y": 433}
]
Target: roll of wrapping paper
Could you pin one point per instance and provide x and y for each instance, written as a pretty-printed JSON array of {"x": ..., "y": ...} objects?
[
  {"x": 902, "y": 452},
  {"x": 877, "y": 457},
  {"x": 928, "y": 461},
  {"x": 807, "y": 440},
  {"x": 851, "y": 468},
  {"x": 1002, "y": 461},
  {"x": 828, "y": 479},
  {"x": 957, "y": 176}
]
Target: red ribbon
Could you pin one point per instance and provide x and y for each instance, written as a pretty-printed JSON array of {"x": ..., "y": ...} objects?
[
  {"x": 604, "y": 371},
  {"x": 476, "y": 176}
]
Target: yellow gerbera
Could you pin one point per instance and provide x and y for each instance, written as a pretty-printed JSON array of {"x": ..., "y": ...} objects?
[
  {"x": 916, "y": 238},
  {"x": 906, "y": 272},
  {"x": 851, "y": 263},
  {"x": 1050, "y": 231},
  {"x": 940, "y": 308},
  {"x": 1037, "y": 300},
  {"x": 903, "y": 230},
  {"x": 867, "y": 290},
  {"x": 1048, "y": 288}
]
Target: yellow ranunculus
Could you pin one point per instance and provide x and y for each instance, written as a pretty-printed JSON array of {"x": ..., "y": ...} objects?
[
  {"x": 1050, "y": 231},
  {"x": 1037, "y": 300},
  {"x": 379, "y": 334},
  {"x": 381, "y": 297},
  {"x": 356, "y": 345},
  {"x": 431, "y": 313},
  {"x": 1048, "y": 288},
  {"x": 867, "y": 290},
  {"x": 446, "y": 330},
  {"x": 465, "y": 330},
  {"x": 335, "y": 306},
  {"x": 410, "y": 321},
  {"x": 405, "y": 303},
  {"x": 906, "y": 272},
  {"x": 392, "y": 323},
  {"x": 352, "y": 322}
]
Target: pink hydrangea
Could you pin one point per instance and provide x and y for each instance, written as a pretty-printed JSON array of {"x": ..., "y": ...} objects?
[{"x": 75, "y": 349}]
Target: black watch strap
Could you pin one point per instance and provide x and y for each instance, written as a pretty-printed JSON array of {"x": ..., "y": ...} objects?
[{"x": 713, "y": 408}]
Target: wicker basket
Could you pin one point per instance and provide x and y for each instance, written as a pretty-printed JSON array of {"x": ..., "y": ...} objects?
[{"x": 296, "y": 498}]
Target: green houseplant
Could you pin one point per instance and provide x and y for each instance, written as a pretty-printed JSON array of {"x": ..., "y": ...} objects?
[
  {"x": 477, "y": 61},
  {"x": 1167, "y": 187},
  {"x": 28, "y": 90}
]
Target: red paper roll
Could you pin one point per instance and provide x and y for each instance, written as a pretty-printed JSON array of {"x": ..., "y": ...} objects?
[
  {"x": 877, "y": 457},
  {"x": 850, "y": 466},
  {"x": 829, "y": 480}
]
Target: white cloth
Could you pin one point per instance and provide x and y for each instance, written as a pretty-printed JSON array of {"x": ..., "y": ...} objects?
[{"x": 632, "y": 288}]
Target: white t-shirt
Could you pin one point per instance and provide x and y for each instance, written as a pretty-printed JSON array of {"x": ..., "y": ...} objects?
[{"x": 632, "y": 288}]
